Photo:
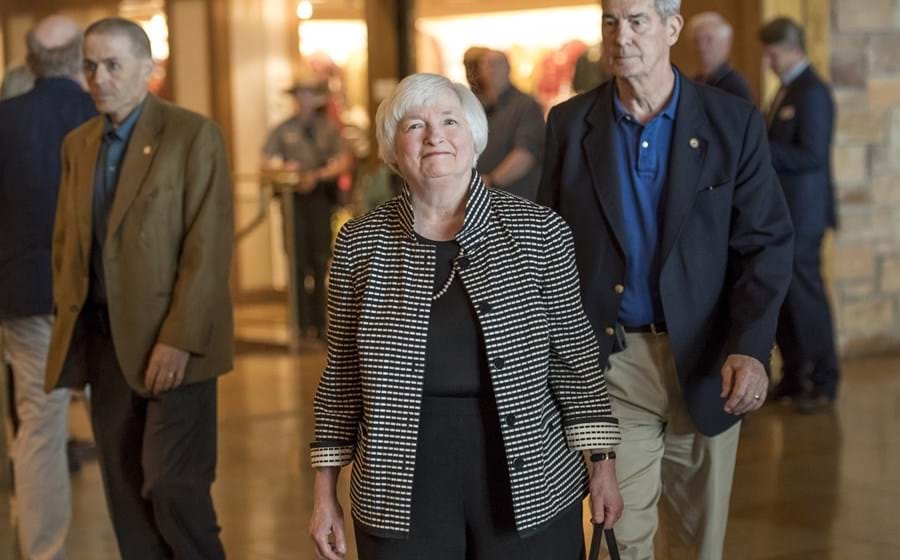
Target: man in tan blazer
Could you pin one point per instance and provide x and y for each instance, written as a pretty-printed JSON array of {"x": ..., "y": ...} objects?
[{"x": 141, "y": 258}]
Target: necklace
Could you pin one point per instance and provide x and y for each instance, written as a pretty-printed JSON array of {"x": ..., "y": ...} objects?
[{"x": 450, "y": 278}]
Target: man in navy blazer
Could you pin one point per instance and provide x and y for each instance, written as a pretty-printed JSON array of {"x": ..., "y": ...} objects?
[
  {"x": 32, "y": 128},
  {"x": 683, "y": 244},
  {"x": 801, "y": 125},
  {"x": 711, "y": 36}
]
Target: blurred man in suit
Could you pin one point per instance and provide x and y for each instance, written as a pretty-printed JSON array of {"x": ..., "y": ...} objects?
[
  {"x": 141, "y": 259},
  {"x": 801, "y": 126},
  {"x": 32, "y": 128},
  {"x": 711, "y": 38},
  {"x": 683, "y": 245}
]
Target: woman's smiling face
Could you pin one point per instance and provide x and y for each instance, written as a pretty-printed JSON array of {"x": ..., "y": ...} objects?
[{"x": 435, "y": 141}]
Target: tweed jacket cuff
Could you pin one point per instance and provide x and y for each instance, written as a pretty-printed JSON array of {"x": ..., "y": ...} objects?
[
  {"x": 593, "y": 434},
  {"x": 331, "y": 454}
]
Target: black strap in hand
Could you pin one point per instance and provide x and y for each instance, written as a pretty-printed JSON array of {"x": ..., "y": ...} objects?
[{"x": 596, "y": 539}]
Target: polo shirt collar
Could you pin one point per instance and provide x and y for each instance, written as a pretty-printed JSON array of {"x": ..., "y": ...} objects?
[
  {"x": 669, "y": 111},
  {"x": 123, "y": 131}
]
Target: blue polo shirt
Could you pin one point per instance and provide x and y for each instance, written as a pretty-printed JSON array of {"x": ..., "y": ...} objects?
[
  {"x": 643, "y": 167},
  {"x": 106, "y": 177}
]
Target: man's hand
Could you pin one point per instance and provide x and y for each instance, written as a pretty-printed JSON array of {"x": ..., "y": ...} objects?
[
  {"x": 166, "y": 368},
  {"x": 744, "y": 384},
  {"x": 307, "y": 181}
]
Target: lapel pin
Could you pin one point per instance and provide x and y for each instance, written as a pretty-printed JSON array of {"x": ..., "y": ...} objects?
[
  {"x": 694, "y": 143},
  {"x": 147, "y": 150}
]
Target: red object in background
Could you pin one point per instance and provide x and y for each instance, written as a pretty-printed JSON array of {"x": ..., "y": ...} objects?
[
  {"x": 557, "y": 68},
  {"x": 158, "y": 78}
]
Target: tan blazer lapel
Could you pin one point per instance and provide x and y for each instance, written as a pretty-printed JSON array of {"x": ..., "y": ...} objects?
[
  {"x": 84, "y": 185},
  {"x": 138, "y": 157}
]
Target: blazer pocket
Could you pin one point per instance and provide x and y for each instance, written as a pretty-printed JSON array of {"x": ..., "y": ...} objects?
[{"x": 715, "y": 185}]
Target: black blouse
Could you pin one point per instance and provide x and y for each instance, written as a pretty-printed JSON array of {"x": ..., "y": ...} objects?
[{"x": 455, "y": 357}]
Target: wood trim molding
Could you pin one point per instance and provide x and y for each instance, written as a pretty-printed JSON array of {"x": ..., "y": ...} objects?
[
  {"x": 50, "y": 6},
  {"x": 220, "y": 69}
]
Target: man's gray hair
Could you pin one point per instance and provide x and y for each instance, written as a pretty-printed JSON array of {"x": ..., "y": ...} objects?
[
  {"x": 423, "y": 90},
  {"x": 140, "y": 42},
  {"x": 667, "y": 8},
  {"x": 62, "y": 61},
  {"x": 703, "y": 19}
]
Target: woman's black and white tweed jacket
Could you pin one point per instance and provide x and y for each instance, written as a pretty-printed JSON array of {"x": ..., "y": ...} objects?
[{"x": 519, "y": 273}]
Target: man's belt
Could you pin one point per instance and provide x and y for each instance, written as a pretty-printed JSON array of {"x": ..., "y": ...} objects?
[
  {"x": 96, "y": 318},
  {"x": 655, "y": 328}
]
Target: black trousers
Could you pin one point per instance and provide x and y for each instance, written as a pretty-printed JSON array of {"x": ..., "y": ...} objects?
[
  {"x": 461, "y": 505},
  {"x": 157, "y": 459},
  {"x": 805, "y": 333},
  {"x": 312, "y": 246}
]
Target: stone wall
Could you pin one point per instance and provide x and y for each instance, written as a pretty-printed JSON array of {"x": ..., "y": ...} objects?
[{"x": 865, "y": 268}]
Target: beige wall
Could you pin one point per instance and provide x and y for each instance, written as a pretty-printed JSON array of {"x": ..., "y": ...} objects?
[
  {"x": 190, "y": 60},
  {"x": 261, "y": 69},
  {"x": 15, "y": 26}
]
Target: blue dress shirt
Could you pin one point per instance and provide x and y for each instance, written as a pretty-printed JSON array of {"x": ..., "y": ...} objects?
[
  {"x": 106, "y": 177},
  {"x": 643, "y": 167}
]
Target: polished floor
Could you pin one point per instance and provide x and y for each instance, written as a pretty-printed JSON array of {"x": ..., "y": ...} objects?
[{"x": 806, "y": 487}]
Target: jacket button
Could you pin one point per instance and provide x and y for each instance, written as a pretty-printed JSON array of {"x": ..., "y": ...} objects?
[
  {"x": 619, "y": 289},
  {"x": 462, "y": 262},
  {"x": 498, "y": 363},
  {"x": 484, "y": 307},
  {"x": 519, "y": 463},
  {"x": 511, "y": 420},
  {"x": 610, "y": 331},
  {"x": 73, "y": 309}
]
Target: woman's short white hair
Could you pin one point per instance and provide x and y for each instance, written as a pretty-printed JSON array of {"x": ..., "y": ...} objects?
[{"x": 423, "y": 90}]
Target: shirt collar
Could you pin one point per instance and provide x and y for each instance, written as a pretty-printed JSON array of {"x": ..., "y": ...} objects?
[
  {"x": 794, "y": 72},
  {"x": 477, "y": 212},
  {"x": 123, "y": 131},
  {"x": 669, "y": 111}
]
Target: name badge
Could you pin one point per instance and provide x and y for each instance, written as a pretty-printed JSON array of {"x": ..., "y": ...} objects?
[{"x": 787, "y": 113}]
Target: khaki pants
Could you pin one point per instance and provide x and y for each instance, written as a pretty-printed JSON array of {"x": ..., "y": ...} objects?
[
  {"x": 43, "y": 500},
  {"x": 662, "y": 454}
]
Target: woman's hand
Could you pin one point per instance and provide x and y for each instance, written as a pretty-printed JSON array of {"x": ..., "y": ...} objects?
[
  {"x": 326, "y": 528},
  {"x": 606, "y": 501}
]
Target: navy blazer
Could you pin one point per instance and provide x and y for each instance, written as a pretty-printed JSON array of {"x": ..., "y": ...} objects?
[
  {"x": 726, "y": 236},
  {"x": 32, "y": 128},
  {"x": 728, "y": 79},
  {"x": 800, "y": 134}
]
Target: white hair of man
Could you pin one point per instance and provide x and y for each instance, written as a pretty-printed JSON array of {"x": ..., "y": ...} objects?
[
  {"x": 713, "y": 20},
  {"x": 667, "y": 8},
  {"x": 424, "y": 90},
  {"x": 54, "y": 48}
]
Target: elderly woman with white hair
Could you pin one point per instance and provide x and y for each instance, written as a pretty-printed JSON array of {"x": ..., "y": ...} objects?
[{"x": 463, "y": 378}]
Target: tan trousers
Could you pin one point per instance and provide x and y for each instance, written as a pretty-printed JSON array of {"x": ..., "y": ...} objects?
[
  {"x": 43, "y": 496},
  {"x": 662, "y": 454}
]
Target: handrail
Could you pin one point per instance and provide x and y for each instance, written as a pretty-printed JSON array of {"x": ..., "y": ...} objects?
[{"x": 271, "y": 184}]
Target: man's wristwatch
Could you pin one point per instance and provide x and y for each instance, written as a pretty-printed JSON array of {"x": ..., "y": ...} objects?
[{"x": 602, "y": 456}]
